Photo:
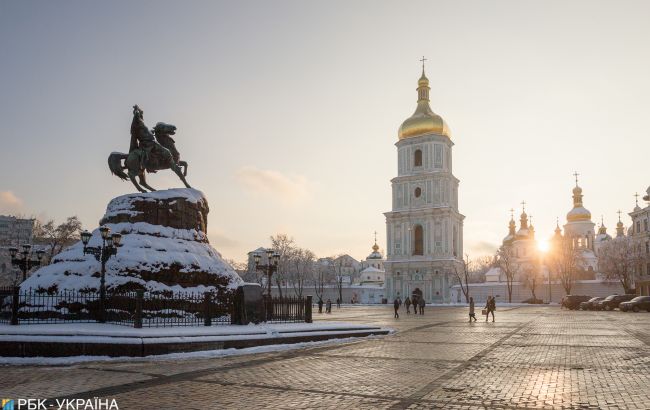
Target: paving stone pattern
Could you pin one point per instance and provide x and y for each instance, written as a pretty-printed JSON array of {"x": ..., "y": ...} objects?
[{"x": 531, "y": 357}]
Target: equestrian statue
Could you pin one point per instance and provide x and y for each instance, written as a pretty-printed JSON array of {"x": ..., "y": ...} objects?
[{"x": 150, "y": 151}]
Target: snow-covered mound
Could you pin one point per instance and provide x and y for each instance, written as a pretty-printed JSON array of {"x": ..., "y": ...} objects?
[{"x": 164, "y": 249}]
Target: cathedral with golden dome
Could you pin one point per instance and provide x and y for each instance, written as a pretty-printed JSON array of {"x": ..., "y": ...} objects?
[{"x": 424, "y": 229}]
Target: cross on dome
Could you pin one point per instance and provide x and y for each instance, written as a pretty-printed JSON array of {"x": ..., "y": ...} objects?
[
  {"x": 523, "y": 206},
  {"x": 575, "y": 174},
  {"x": 423, "y": 60},
  {"x": 636, "y": 197},
  {"x": 619, "y": 215}
]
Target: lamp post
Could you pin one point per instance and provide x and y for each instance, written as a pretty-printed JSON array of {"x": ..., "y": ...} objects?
[
  {"x": 273, "y": 259},
  {"x": 25, "y": 259},
  {"x": 102, "y": 254}
]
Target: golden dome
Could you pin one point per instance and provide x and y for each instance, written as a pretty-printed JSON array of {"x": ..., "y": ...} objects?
[
  {"x": 579, "y": 212},
  {"x": 424, "y": 120}
]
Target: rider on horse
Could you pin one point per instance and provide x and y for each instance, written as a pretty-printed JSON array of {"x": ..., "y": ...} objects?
[{"x": 152, "y": 153}]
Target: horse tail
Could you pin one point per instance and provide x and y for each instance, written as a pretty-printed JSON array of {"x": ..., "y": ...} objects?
[{"x": 115, "y": 165}]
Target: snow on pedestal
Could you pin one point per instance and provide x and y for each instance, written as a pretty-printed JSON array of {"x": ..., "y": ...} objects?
[{"x": 164, "y": 249}]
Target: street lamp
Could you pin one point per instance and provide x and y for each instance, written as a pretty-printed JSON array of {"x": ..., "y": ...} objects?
[
  {"x": 25, "y": 259},
  {"x": 273, "y": 259},
  {"x": 102, "y": 254}
]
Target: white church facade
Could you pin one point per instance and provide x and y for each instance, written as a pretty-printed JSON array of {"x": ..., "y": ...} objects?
[{"x": 424, "y": 229}]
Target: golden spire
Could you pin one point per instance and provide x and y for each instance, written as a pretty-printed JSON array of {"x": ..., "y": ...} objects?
[
  {"x": 375, "y": 247},
  {"x": 512, "y": 226},
  {"x": 424, "y": 120},
  {"x": 579, "y": 212},
  {"x": 558, "y": 231},
  {"x": 603, "y": 229},
  {"x": 620, "y": 230},
  {"x": 523, "y": 219}
]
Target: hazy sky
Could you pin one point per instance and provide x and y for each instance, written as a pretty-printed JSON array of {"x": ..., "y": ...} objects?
[{"x": 287, "y": 112}]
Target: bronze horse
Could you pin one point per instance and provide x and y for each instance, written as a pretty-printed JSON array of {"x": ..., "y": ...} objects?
[{"x": 150, "y": 151}]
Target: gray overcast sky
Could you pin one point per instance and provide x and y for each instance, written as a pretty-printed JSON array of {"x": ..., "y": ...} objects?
[{"x": 288, "y": 111}]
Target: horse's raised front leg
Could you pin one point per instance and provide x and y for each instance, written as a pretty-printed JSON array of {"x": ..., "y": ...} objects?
[
  {"x": 179, "y": 172},
  {"x": 132, "y": 178},
  {"x": 143, "y": 181}
]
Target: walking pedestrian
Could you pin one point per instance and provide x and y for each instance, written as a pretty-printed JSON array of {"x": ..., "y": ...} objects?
[
  {"x": 421, "y": 303},
  {"x": 338, "y": 303},
  {"x": 490, "y": 307},
  {"x": 407, "y": 303},
  {"x": 328, "y": 306},
  {"x": 320, "y": 305},
  {"x": 472, "y": 315},
  {"x": 396, "y": 307}
]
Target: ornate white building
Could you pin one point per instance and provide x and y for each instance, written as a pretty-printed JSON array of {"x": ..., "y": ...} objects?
[
  {"x": 581, "y": 230},
  {"x": 424, "y": 229}
]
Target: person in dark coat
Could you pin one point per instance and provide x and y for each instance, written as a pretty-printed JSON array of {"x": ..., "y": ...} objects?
[
  {"x": 421, "y": 303},
  {"x": 407, "y": 303},
  {"x": 396, "y": 307},
  {"x": 320, "y": 305},
  {"x": 472, "y": 315},
  {"x": 490, "y": 306},
  {"x": 328, "y": 306}
]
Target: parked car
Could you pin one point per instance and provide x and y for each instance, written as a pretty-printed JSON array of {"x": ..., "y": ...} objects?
[
  {"x": 573, "y": 302},
  {"x": 590, "y": 304},
  {"x": 636, "y": 304},
  {"x": 611, "y": 302}
]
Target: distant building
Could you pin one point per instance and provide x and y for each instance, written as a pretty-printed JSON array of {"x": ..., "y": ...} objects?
[
  {"x": 640, "y": 231},
  {"x": 14, "y": 232}
]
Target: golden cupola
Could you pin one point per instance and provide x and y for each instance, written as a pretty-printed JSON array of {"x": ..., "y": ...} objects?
[
  {"x": 512, "y": 228},
  {"x": 424, "y": 120},
  {"x": 579, "y": 212},
  {"x": 620, "y": 229}
]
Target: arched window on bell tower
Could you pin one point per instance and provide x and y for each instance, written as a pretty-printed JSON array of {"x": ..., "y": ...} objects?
[
  {"x": 418, "y": 240},
  {"x": 417, "y": 158}
]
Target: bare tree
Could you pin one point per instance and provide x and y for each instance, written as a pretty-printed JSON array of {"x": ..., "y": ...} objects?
[
  {"x": 462, "y": 274},
  {"x": 57, "y": 237},
  {"x": 565, "y": 261},
  {"x": 337, "y": 274},
  {"x": 285, "y": 247},
  {"x": 303, "y": 267},
  {"x": 478, "y": 267},
  {"x": 506, "y": 262},
  {"x": 322, "y": 277},
  {"x": 532, "y": 276},
  {"x": 618, "y": 258},
  {"x": 240, "y": 267}
]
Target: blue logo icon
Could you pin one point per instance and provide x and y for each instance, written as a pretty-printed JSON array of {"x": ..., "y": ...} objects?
[{"x": 7, "y": 404}]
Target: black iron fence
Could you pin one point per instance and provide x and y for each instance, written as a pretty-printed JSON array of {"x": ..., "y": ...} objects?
[
  {"x": 286, "y": 310},
  {"x": 140, "y": 309}
]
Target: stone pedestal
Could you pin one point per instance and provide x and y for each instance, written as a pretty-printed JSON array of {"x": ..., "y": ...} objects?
[{"x": 164, "y": 250}]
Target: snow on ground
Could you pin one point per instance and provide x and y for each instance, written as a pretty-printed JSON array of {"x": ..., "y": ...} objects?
[
  {"x": 206, "y": 354},
  {"x": 114, "y": 334},
  {"x": 99, "y": 329}
]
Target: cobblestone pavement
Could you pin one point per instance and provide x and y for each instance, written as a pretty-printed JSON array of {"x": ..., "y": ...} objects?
[{"x": 531, "y": 357}]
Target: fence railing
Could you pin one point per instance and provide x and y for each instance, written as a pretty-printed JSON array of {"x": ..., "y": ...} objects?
[
  {"x": 139, "y": 309},
  {"x": 285, "y": 310}
]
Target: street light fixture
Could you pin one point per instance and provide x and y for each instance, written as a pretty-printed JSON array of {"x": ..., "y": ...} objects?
[
  {"x": 273, "y": 259},
  {"x": 102, "y": 254},
  {"x": 25, "y": 260}
]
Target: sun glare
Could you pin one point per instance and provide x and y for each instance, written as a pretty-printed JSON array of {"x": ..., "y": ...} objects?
[{"x": 542, "y": 246}]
